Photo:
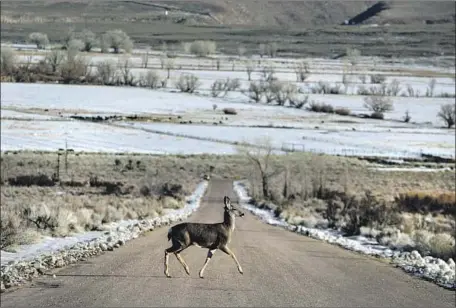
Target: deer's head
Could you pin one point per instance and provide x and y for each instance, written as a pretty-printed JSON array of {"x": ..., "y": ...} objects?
[{"x": 230, "y": 208}]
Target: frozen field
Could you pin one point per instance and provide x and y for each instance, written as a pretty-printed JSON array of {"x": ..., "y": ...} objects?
[
  {"x": 80, "y": 136},
  {"x": 326, "y": 133},
  {"x": 321, "y": 141}
]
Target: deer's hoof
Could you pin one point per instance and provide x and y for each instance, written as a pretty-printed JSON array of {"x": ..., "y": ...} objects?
[
  {"x": 241, "y": 271},
  {"x": 187, "y": 271}
]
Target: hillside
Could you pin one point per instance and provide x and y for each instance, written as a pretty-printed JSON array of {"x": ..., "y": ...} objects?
[{"x": 287, "y": 14}]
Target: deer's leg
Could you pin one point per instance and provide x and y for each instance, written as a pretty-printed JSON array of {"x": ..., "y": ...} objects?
[
  {"x": 226, "y": 250},
  {"x": 210, "y": 253},
  {"x": 181, "y": 260},
  {"x": 173, "y": 249}
]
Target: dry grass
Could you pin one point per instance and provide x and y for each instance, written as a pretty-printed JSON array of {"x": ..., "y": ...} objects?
[{"x": 99, "y": 188}]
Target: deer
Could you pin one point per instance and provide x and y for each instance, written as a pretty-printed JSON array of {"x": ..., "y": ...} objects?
[{"x": 203, "y": 235}]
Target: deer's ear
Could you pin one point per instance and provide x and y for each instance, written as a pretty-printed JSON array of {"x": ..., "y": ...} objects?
[{"x": 227, "y": 201}]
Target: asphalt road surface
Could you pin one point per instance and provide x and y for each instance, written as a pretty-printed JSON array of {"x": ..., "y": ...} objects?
[{"x": 280, "y": 269}]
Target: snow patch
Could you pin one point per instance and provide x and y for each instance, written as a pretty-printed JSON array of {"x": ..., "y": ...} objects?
[{"x": 430, "y": 268}]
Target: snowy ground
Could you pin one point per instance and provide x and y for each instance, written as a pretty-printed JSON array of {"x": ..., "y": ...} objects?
[
  {"x": 91, "y": 137},
  {"x": 53, "y": 244},
  {"x": 323, "y": 141},
  {"x": 323, "y": 133},
  {"x": 434, "y": 269}
]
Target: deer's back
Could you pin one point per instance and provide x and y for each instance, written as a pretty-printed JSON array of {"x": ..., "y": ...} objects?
[{"x": 204, "y": 235}]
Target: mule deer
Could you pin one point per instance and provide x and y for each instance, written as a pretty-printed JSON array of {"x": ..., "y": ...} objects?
[{"x": 210, "y": 236}]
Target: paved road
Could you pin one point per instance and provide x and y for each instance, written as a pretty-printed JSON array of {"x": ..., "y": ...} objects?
[{"x": 280, "y": 269}]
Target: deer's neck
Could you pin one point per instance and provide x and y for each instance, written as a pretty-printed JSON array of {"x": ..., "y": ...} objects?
[{"x": 228, "y": 220}]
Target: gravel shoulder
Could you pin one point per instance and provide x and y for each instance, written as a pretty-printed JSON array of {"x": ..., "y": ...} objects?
[{"x": 281, "y": 268}]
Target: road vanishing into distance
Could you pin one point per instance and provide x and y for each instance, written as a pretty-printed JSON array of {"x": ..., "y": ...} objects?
[{"x": 281, "y": 269}]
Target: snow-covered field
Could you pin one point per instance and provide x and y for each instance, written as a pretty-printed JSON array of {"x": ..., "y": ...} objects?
[
  {"x": 331, "y": 134},
  {"x": 321, "y": 141},
  {"x": 437, "y": 270},
  {"x": 17, "y": 267},
  {"x": 91, "y": 137}
]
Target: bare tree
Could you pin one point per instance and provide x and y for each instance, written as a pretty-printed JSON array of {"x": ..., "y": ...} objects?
[
  {"x": 106, "y": 72},
  {"x": 117, "y": 40},
  {"x": 39, "y": 39},
  {"x": 169, "y": 66},
  {"x": 7, "y": 60},
  {"x": 125, "y": 71},
  {"x": 88, "y": 38},
  {"x": 150, "y": 80},
  {"x": 302, "y": 71},
  {"x": 256, "y": 91},
  {"x": 447, "y": 114},
  {"x": 353, "y": 55},
  {"x": 54, "y": 59},
  {"x": 187, "y": 83},
  {"x": 145, "y": 58},
  {"x": 431, "y": 87},
  {"x": 75, "y": 69},
  {"x": 250, "y": 67},
  {"x": 260, "y": 156},
  {"x": 378, "y": 104}
]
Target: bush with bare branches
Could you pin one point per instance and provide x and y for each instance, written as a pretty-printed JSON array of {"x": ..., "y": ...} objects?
[
  {"x": 223, "y": 86},
  {"x": 54, "y": 59},
  {"x": 106, "y": 72},
  {"x": 378, "y": 104},
  {"x": 151, "y": 79},
  {"x": 256, "y": 91},
  {"x": 376, "y": 78},
  {"x": 447, "y": 114},
  {"x": 188, "y": 83},
  {"x": 250, "y": 67},
  {"x": 75, "y": 69}
]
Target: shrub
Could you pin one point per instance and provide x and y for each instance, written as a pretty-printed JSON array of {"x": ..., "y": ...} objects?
[
  {"x": 75, "y": 69},
  {"x": 447, "y": 114},
  {"x": 202, "y": 48},
  {"x": 377, "y": 115},
  {"x": 106, "y": 72},
  {"x": 377, "y": 78},
  {"x": 326, "y": 88},
  {"x": 220, "y": 85},
  {"x": 29, "y": 180},
  {"x": 321, "y": 107},
  {"x": 151, "y": 79},
  {"x": 188, "y": 83},
  {"x": 298, "y": 102},
  {"x": 425, "y": 202},
  {"x": 342, "y": 111},
  {"x": 407, "y": 117},
  {"x": 230, "y": 111},
  {"x": 281, "y": 91},
  {"x": 378, "y": 104},
  {"x": 39, "y": 39},
  {"x": 255, "y": 91}
]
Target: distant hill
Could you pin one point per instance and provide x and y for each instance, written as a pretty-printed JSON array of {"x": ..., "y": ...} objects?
[{"x": 278, "y": 13}]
